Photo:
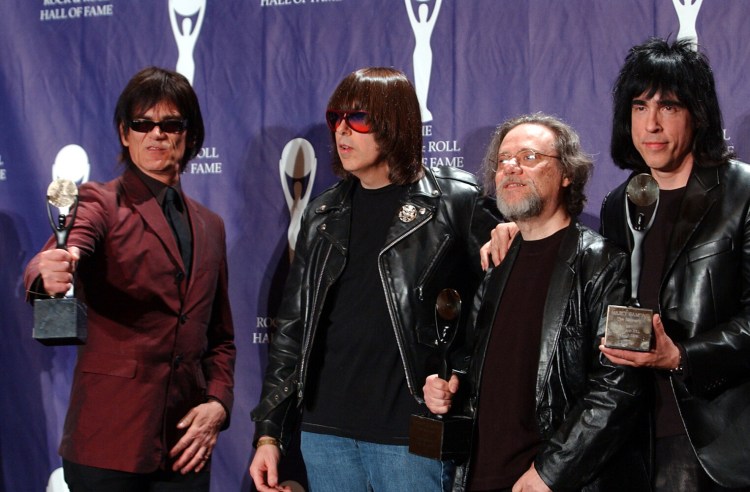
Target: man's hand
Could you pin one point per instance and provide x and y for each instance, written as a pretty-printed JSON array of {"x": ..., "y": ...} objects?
[
  {"x": 194, "y": 449},
  {"x": 664, "y": 354},
  {"x": 56, "y": 267},
  {"x": 264, "y": 469},
  {"x": 530, "y": 482},
  {"x": 438, "y": 393},
  {"x": 497, "y": 247}
]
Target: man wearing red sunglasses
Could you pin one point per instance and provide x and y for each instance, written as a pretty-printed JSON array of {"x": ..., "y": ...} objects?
[{"x": 356, "y": 329}]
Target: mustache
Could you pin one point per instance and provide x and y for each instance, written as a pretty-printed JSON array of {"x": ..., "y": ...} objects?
[{"x": 511, "y": 180}]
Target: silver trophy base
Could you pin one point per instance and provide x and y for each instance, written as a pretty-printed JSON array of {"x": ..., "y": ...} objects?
[
  {"x": 60, "y": 321},
  {"x": 628, "y": 328}
]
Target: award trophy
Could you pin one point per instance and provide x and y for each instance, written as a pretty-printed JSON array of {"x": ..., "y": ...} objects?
[
  {"x": 61, "y": 320},
  {"x": 629, "y": 327},
  {"x": 297, "y": 172},
  {"x": 436, "y": 436}
]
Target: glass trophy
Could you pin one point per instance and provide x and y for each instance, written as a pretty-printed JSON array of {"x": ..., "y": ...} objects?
[
  {"x": 629, "y": 327},
  {"x": 61, "y": 320},
  {"x": 442, "y": 437}
]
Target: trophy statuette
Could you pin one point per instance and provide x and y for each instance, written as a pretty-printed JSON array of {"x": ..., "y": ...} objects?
[
  {"x": 61, "y": 320},
  {"x": 629, "y": 327},
  {"x": 437, "y": 436}
]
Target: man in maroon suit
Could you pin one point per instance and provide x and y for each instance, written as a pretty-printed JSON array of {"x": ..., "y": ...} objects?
[{"x": 153, "y": 385}]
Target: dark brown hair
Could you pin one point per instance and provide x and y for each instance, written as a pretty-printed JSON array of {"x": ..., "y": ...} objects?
[{"x": 388, "y": 96}]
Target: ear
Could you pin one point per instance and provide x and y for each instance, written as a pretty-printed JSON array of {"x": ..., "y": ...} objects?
[
  {"x": 565, "y": 182},
  {"x": 123, "y": 135}
]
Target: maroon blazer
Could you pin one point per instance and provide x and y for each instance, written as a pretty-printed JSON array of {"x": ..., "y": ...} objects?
[{"x": 158, "y": 344}]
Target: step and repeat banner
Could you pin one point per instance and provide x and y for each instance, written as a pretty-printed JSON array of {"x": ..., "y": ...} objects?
[{"x": 263, "y": 71}]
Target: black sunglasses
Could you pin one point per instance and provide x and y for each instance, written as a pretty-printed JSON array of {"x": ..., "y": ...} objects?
[{"x": 166, "y": 126}]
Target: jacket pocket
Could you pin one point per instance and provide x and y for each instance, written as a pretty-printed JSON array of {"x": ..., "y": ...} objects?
[
  {"x": 200, "y": 377},
  {"x": 709, "y": 249},
  {"x": 108, "y": 365}
]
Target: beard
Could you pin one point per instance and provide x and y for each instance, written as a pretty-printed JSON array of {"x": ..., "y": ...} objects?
[{"x": 526, "y": 208}]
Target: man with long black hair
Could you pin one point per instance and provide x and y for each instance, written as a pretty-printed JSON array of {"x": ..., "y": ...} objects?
[{"x": 696, "y": 265}]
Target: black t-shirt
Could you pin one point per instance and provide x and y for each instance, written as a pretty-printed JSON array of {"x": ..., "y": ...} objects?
[
  {"x": 655, "y": 247},
  {"x": 357, "y": 385},
  {"x": 508, "y": 437}
]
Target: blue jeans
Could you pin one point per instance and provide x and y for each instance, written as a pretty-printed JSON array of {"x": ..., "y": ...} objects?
[{"x": 338, "y": 463}]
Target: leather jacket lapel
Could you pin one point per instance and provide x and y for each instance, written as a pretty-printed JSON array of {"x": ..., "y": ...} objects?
[
  {"x": 336, "y": 223},
  {"x": 495, "y": 288},
  {"x": 418, "y": 207},
  {"x": 555, "y": 307},
  {"x": 490, "y": 302},
  {"x": 699, "y": 198}
]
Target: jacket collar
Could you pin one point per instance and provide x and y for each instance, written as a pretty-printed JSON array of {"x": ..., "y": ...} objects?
[
  {"x": 337, "y": 215},
  {"x": 146, "y": 204},
  {"x": 417, "y": 207},
  {"x": 426, "y": 188}
]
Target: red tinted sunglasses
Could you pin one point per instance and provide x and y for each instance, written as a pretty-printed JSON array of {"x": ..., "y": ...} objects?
[{"x": 359, "y": 121}]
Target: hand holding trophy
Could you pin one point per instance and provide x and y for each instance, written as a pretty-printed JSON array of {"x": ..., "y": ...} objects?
[
  {"x": 629, "y": 327},
  {"x": 436, "y": 436},
  {"x": 61, "y": 320}
]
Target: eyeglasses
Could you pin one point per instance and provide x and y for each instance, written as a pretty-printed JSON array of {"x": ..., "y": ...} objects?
[
  {"x": 526, "y": 158},
  {"x": 359, "y": 121},
  {"x": 166, "y": 126}
]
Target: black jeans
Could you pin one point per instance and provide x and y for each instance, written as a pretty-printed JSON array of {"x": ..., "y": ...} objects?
[{"x": 82, "y": 478}]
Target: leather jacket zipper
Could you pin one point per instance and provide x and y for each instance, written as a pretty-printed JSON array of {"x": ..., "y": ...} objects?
[
  {"x": 433, "y": 265},
  {"x": 313, "y": 323},
  {"x": 391, "y": 309}
]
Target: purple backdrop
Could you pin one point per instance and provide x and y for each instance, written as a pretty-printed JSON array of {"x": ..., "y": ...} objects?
[{"x": 263, "y": 70}]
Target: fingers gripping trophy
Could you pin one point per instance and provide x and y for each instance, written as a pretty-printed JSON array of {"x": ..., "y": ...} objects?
[
  {"x": 436, "y": 436},
  {"x": 61, "y": 320},
  {"x": 629, "y": 327}
]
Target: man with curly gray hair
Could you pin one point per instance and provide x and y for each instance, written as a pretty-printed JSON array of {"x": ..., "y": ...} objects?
[
  {"x": 576, "y": 164},
  {"x": 553, "y": 414}
]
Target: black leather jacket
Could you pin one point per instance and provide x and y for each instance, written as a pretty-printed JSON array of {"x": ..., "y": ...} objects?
[
  {"x": 437, "y": 248},
  {"x": 704, "y": 300},
  {"x": 586, "y": 407}
]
